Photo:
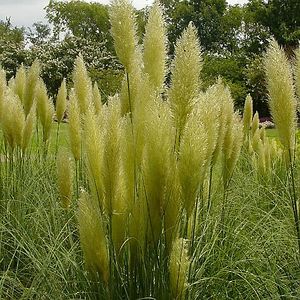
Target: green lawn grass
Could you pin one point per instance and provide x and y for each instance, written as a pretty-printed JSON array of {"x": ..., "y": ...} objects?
[{"x": 272, "y": 133}]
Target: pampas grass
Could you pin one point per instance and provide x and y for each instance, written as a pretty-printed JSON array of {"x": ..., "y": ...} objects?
[{"x": 167, "y": 204}]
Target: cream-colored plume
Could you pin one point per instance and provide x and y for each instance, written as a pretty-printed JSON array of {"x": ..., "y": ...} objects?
[
  {"x": 185, "y": 77},
  {"x": 282, "y": 99},
  {"x": 155, "y": 47}
]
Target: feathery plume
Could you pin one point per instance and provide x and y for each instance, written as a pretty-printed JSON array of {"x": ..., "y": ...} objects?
[
  {"x": 178, "y": 268},
  {"x": 61, "y": 101},
  {"x": 112, "y": 153},
  {"x": 74, "y": 126},
  {"x": 28, "y": 128},
  {"x": 82, "y": 84},
  {"x": 20, "y": 83},
  {"x": 255, "y": 123},
  {"x": 185, "y": 77},
  {"x": 93, "y": 142},
  {"x": 13, "y": 119},
  {"x": 282, "y": 100},
  {"x": 234, "y": 134},
  {"x": 247, "y": 115},
  {"x": 92, "y": 237},
  {"x": 32, "y": 80},
  {"x": 192, "y": 161},
  {"x": 159, "y": 145},
  {"x": 155, "y": 47},
  {"x": 297, "y": 73},
  {"x": 225, "y": 107},
  {"x": 3, "y": 86},
  {"x": 45, "y": 109},
  {"x": 64, "y": 177},
  {"x": 123, "y": 30}
]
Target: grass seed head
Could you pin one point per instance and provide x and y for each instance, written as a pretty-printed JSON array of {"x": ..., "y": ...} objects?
[
  {"x": 155, "y": 47},
  {"x": 82, "y": 84},
  {"x": 282, "y": 99},
  {"x": 3, "y": 86},
  {"x": 255, "y": 123},
  {"x": 192, "y": 161},
  {"x": 61, "y": 101},
  {"x": 185, "y": 82},
  {"x": 230, "y": 157},
  {"x": 92, "y": 237},
  {"x": 94, "y": 150},
  {"x": 32, "y": 80},
  {"x": 74, "y": 126},
  {"x": 297, "y": 74},
  {"x": 45, "y": 109},
  {"x": 13, "y": 119},
  {"x": 123, "y": 30},
  {"x": 247, "y": 115},
  {"x": 20, "y": 83},
  {"x": 29, "y": 127},
  {"x": 178, "y": 267}
]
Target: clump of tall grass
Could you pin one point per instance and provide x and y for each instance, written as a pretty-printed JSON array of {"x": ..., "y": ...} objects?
[
  {"x": 282, "y": 102},
  {"x": 145, "y": 160},
  {"x": 165, "y": 205}
]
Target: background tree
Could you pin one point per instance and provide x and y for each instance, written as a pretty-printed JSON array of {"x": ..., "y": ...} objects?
[
  {"x": 81, "y": 19},
  {"x": 12, "y": 52},
  {"x": 282, "y": 19},
  {"x": 39, "y": 33}
]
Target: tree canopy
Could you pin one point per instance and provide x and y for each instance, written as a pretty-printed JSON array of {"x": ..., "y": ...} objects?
[{"x": 233, "y": 39}]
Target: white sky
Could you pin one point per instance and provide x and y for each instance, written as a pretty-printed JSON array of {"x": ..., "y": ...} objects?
[{"x": 26, "y": 12}]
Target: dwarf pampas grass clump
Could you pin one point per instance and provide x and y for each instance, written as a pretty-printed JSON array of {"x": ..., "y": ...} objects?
[
  {"x": 282, "y": 100},
  {"x": 32, "y": 80},
  {"x": 178, "y": 267},
  {"x": 92, "y": 237},
  {"x": 185, "y": 77},
  {"x": 74, "y": 126},
  {"x": 155, "y": 47},
  {"x": 123, "y": 30},
  {"x": 64, "y": 177}
]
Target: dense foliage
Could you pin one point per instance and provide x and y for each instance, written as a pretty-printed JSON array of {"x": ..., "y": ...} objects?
[{"x": 232, "y": 39}]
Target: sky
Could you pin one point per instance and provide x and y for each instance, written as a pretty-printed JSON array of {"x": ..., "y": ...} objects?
[{"x": 26, "y": 12}]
